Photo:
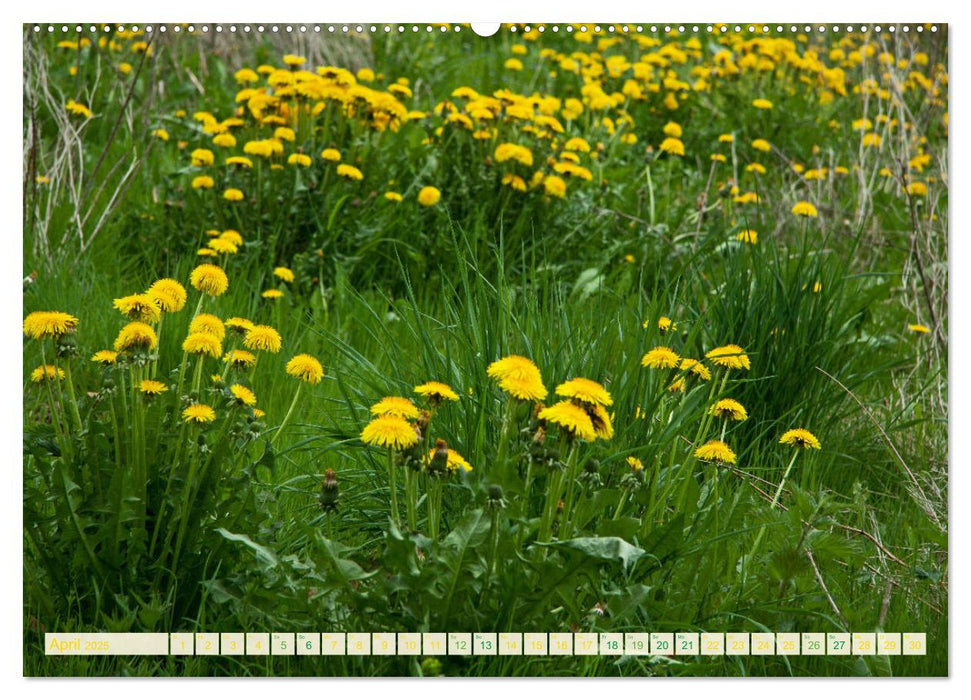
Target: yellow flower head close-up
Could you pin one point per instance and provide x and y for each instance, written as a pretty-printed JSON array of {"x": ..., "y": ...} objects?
[
  {"x": 306, "y": 368},
  {"x": 263, "y": 338},
  {"x": 136, "y": 336},
  {"x": 800, "y": 437},
  {"x": 49, "y": 324},
  {"x": 729, "y": 357},
  {"x": 571, "y": 418},
  {"x": 519, "y": 377},
  {"x": 585, "y": 391},
  {"x": 199, "y": 413},
  {"x": 202, "y": 344},
  {"x": 728, "y": 409},
  {"x": 660, "y": 357},
  {"x": 168, "y": 294},
  {"x": 208, "y": 323},
  {"x": 46, "y": 373},
  {"x": 243, "y": 395},
  {"x": 436, "y": 392},
  {"x": 389, "y": 431},
  {"x": 209, "y": 279},
  {"x": 715, "y": 451},
  {"x": 395, "y": 406}
]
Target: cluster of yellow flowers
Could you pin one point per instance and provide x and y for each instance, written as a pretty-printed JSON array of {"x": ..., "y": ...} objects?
[
  {"x": 280, "y": 109},
  {"x": 725, "y": 358},
  {"x": 137, "y": 342}
]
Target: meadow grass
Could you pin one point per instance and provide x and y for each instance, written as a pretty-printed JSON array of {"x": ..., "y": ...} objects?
[{"x": 135, "y": 521}]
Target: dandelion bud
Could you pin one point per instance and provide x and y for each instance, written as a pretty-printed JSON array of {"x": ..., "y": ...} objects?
[
  {"x": 438, "y": 464},
  {"x": 66, "y": 346},
  {"x": 495, "y": 499},
  {"x": 329, "y": 492},
  {"x": 539, "y": 437}
]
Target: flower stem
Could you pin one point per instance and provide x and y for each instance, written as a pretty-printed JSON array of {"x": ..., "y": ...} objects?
[
  {"x": 286, "y": 418},
  {"x": 775, "y": 501},
  {"x": 393, "y": 483}
]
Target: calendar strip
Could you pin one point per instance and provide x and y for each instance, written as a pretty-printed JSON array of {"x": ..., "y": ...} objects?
[{"x": 673, "y": 644}]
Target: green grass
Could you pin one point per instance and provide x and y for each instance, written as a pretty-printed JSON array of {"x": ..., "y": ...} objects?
[{"x": 400, "y": 294}]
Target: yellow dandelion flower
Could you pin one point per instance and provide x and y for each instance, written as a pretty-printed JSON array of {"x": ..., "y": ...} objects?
[
  {"x": 665, "y": 324},
  {"x": 730, "y": 357},
  {"x": 918, "y": 328},
  {"x": 554, "y": 186},
  {"x": 571, "y": 418},
  {"x": 301, "y": 159},
  {"x": 202, "y": 157},
  {"x": 199, "y": 413},
  {"x": 350, "y": 172},
  {"x": 453, "y": 462},
  {"x": 748, "y": 236},
  {"x": 393, "y": 196},
  {"x": 78, "y": 109},
  {"x": 284, "y": 274},
  {"x": 799, "y": 437},
  {"x": 207, "y": 323},
  {"x": 203, "y": 182},
  {"x": 203, "y": 344},
  {"x": 223, "y": 246},
  {"x": 331, "y": 154},
  {"x": 224, "y": 140},
  {"x": 761, "y": 145},
  {"x": 678, "y": 385},
  {"x": 804, "y": 209},
  {"x": 715, "y": 451},
  {"x": 390, "y": 431},
  {"x": 240, "y": 359},
  {"x": 272, "y": 294},
  {"x": 395, "y": 406},
  {"x": 672, "y": 146},
  {"x": 696, "y": 368},
  {"x": 233, "y": 195},
  {"x": 150, "y": 387},
  {"x": 660, "y": 357},
  {"x": 239, "y": 325},
  {"x": 635, "y": 464},
  {"x": 139, "y": 307},
  {"x": 519, "y": 377},
  {"x": 209, "y": 279},
  {"x": 917, "y": 189},
  {"x": 241, "y": 161},
  {"x": 306, "y": 368},
  {"x": 600, "y": 419},
  {"x": 585, "y": 391},
  {"x": 672, "y": 129},
  {"x": 169, "y": 294},
  {"x": 230, "y": 235},
  {"x": 49, "y": 324},
  {"x": 728, "y": 408},
  {"x": 136, "y": 336},
  {"x": 429, "y": 196},
  {"x": 762, "y": 103},
  {"x": 243, "y": 395},
  {"x": 105, "y": 357},
  {"x": 436, "y": 392},
  {"x": 263, "y": 338},
  {"x": 46, "y": 373}
]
